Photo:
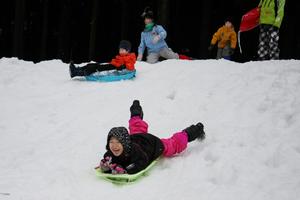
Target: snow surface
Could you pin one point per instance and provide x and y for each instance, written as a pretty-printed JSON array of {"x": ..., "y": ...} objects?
[{"x": 53, "y": 130}]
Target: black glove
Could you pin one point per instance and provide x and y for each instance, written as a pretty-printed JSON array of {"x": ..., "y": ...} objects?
[
  {"x": 121, "y": 67},
  {"x": 210, "y": 48}
]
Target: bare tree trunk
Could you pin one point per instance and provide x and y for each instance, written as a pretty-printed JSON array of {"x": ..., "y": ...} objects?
[
  {"x": 64, "y": 37},
  {"x": 93, "y": 31},
  {"x": 204, "y": 22},
  {"x": 163, "y": 12},
  {"x": 124, "y": 23},
  {"x": 19, "y": 28},
  {"x": 44, "y": 31}
]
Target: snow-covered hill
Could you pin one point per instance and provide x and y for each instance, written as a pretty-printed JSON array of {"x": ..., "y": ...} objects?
[{"x": 53, "y": 130}]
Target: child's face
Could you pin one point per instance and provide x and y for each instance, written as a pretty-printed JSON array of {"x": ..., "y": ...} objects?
[
  {"x": 148, "y": 20},
  {"x": 115, "y": 146},
  {"x": 228, "y": 24},
  {"x": 123, "y": 51}
]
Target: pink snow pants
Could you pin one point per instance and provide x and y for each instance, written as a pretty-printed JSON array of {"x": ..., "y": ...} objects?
[{"x": 173, "y": 145}]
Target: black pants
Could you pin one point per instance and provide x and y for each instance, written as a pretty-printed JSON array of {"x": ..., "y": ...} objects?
[{"x": 96, "y": 67}]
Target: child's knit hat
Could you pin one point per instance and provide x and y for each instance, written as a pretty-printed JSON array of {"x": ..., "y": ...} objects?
[
  {"x": 121, "y": 134},
  {"x": 124, "y": 44}
]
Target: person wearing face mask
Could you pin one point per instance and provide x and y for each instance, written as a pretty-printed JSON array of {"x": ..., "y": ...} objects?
[{"x": 153, "y": 39}]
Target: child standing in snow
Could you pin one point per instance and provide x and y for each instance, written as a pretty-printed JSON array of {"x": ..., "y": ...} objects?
[
  {"x": 271, "y": 16},
  {"x": 134, "y": 151},
  {"x": 125, "y": 60},
  {"x": 226, "y": 39},
  {"x": 153, "y": 38}
]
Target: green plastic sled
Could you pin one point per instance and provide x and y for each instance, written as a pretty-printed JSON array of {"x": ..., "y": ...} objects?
[{"x": 124, "y": 178}]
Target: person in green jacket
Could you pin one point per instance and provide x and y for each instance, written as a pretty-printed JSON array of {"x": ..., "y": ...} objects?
[{"x": 271, "y": 15}]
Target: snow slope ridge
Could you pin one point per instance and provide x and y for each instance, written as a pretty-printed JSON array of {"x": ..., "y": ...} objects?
[{"x": 53, "y": 130}]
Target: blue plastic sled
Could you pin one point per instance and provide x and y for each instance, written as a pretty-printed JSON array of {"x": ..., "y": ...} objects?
[{"x": 112, "y": 75}]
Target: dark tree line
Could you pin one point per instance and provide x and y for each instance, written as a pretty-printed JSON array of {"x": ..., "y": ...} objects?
[{"x": 85, "y": 30}]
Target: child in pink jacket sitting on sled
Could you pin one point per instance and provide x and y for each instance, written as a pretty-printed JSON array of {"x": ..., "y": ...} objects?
[{"x": 131, "y": 152}]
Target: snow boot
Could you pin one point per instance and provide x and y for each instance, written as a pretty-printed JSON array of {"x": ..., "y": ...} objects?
[
  {"x": 195, "y": 132},
  {"x": 72, "y": 70},
  {"x": 75, "y": 71},
  {"x": 136, "y": 109}
]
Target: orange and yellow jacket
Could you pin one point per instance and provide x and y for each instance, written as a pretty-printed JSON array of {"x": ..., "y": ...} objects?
[
  {"x": 124, "y": 59},
  {"x": 225, "y": 36}
]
